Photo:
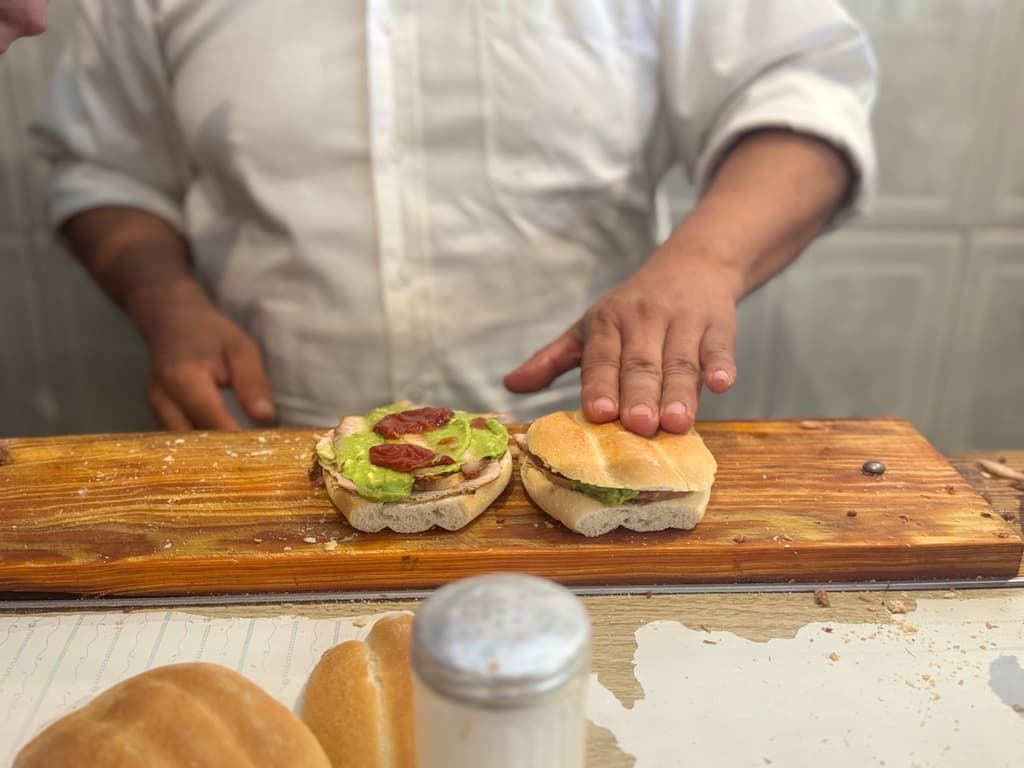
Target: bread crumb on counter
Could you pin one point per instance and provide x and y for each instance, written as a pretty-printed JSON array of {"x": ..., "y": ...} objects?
[
  {"x": 821, "y": 598},
  {"x": 894, "y": 606}
]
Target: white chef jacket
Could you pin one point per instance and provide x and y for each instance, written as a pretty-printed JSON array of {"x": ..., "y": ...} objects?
[{"x": 407, "y": 199}]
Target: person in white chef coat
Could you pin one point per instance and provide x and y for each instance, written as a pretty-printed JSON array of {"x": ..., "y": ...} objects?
[
  {"x": 21, "y": 18},
  {"x": 324, "y": 206}
]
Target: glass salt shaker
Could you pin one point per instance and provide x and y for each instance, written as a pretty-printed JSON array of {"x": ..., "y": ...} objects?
[{"x": 500, "y": 667}]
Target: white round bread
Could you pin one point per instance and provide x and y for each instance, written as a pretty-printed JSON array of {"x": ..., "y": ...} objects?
[
  {"x": 610, "y": 456},
  {"x": 411, "y": 516},
  {"x": 358, "y": 699},
  {"x": 196, "y": 714}
]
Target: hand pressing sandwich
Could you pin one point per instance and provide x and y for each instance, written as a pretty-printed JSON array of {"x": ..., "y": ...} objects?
[
  {"x": 596, "y": 477},
  {"x": 647, "y": 347},
  {"x": 408, "y": 468}
]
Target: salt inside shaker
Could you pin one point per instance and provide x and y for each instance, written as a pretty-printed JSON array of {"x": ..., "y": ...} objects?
[{"x": 500, "y": 666}]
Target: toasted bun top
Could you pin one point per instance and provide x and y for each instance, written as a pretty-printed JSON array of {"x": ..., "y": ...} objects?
[{"x": 611, "y": 456}]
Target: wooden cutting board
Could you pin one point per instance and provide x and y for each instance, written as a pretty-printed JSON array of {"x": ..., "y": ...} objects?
[{"x": 196, "y": 513}]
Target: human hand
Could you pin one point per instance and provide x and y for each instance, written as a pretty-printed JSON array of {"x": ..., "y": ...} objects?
[
  {"x": 195, "y": 351},
  {"x": 645, "y": 348}
]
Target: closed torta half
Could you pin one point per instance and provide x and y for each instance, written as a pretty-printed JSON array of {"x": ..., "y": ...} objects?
[{"x": 594, "y": 478}]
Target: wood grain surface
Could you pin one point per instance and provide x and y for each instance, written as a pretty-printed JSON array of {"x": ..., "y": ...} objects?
[{"x": 199, "y": 513}]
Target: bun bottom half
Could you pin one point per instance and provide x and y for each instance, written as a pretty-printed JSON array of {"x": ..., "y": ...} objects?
[
  {"x": 448, "y": 512},
  {"x": 582, "y": 514}
]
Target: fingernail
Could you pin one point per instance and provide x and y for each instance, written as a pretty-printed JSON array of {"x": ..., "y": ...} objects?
[
  {"x": 262, "y": 408},
  {"x": 641, "y": 411},
  {"x": 721, "y": 376},
  {"x": 676, "y": 408},
  {"x": 604, "y": 406}
]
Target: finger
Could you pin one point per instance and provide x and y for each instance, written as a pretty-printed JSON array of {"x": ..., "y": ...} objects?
[
  {"x": 640, "y": 376},
  {"x": 544, "y": 366},
  {"x": 193, "y": 388},
  {"x": 167, "y": 412},
  {"x": 680, "y": 371},
  {"x": 599, "y": 369},
  {"x": 249, "y": 379},
  {"x": 717, "y": 354}
]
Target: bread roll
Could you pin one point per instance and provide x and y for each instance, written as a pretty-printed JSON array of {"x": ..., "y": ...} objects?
[
  {"x": 673, "y": 474},
  {"x": 358, "y": 699},
  {"x": 411, "y": 516},
  {"x": 198, "y": 715}
]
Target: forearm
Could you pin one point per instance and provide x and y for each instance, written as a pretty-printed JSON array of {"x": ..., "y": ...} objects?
[
  {"x": 137, "y": 258},
  {"x": 771, "y": 195}
]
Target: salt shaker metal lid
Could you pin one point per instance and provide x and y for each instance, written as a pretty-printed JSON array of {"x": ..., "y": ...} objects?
[{"x": 500, "y": 640}]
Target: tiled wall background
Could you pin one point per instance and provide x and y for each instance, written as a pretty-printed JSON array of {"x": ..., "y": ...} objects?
[{"x": 916, "y": 311}]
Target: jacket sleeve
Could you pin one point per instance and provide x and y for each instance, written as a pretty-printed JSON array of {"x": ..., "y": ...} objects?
[
  {"x": 732, "y": 66},
  {"x": 108, "y": 127}
]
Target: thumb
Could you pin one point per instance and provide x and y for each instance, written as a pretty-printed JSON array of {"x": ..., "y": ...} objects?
[
  {"x": 547, "y": 364},
  {"x": 249, "y": 379}
]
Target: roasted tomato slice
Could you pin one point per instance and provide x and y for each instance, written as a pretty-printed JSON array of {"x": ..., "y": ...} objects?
[
  {"x": 406, "y": 457},
  {"x": 414, "y": 420}
]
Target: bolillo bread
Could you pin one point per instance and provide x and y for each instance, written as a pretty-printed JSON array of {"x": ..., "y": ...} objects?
[
  {"x": 196, "y": 714},
  {"x": 669, "y": 475},
  {"x": 358, "y": 699}
]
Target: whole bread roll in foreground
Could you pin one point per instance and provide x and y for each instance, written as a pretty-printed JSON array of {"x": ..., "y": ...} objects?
[
  {"x": 358, "y": 699},
  {"x": 596, "y": 477},
  {"x": 197, "y": 715}
]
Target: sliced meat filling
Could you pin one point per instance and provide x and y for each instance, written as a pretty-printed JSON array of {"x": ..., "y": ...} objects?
[
  {"x": 437, "y": 486},
  {"x": 642, "y": 497}
]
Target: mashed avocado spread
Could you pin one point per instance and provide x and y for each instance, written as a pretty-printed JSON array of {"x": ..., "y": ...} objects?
[{"x": 610, "y": 497}]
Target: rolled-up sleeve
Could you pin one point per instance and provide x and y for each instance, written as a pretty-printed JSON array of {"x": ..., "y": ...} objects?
[
  {"x": 733, "y": 66},
  {"x": 107, "y": 127}
]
